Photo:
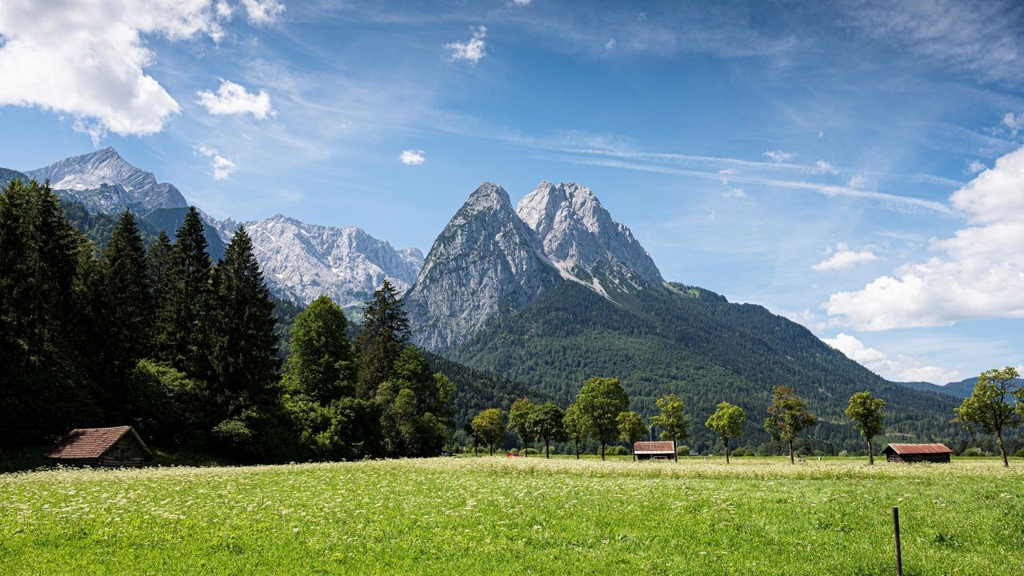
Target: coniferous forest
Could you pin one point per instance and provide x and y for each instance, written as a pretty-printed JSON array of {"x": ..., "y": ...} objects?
[{"x": 187, "y": 350}]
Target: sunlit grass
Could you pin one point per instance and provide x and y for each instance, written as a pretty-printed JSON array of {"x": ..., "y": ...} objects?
[{"x": 517, "y": 516}]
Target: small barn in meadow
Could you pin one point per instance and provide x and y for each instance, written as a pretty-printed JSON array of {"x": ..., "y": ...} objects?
[
  {"x": 661, "y": 450},
  {"x": 917, "y": 453},
  {"x": 117, "y": 446}
]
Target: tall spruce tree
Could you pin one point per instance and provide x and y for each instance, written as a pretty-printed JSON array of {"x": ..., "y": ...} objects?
[
  {"x": 184, "y": 294},
  {"x": 384, "y": 336},
  {"x": 40, "y": 252},
  {"x": 243, "y": 345},
  {"x": 123, "y": 308}
]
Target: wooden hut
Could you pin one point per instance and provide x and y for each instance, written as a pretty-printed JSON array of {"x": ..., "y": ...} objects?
[
  {"x": 662, "y": 450},
  {"x": 917, "y": 453},
  {"x": 117, "y": 446}
]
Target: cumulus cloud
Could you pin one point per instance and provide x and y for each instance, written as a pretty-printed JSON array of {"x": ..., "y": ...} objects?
[
  {"x": 522, "y": 2},
  {"x": 88, "y": 58},
  {"x": 899, "y": 368},
  {"x": 262, "y": 11},
  {"x": 778, "y": 155},
  {"x": 233, "y": 98},
  {"x": 472, "y": 51},
  {"x": 842, "y": 258},
  {"x": 221, "y": 166},
  {"x": 857, "y": 182},
  {"x": 977, "y": 273},
  {"x": 412, "y": 157}
]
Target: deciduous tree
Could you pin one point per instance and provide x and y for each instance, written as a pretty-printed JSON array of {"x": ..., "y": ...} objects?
[
  {"x": 489, "y": 427},
  {"x": 868, "y": 415},
  {"x": 632, "y": 428},
  {"x": 546, "y": 422},
  {"x": 577, "y": 426},
  {"x": 727, "y": 422},
  {"x": 600, "y": 401},
  {"x": 675, "y": 426},
  {"x": 518, "y": 421},
  {"x": 787, "y": 417},
  {"x": 989, "y": 408}
]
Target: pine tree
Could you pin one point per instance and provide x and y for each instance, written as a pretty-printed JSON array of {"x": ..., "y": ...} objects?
[
  {"x": 184, "y": 296},
  {"x": 243, "y": 346},
  {"x": 384, "y": 336},
  {"x": 40, "y": 253},
  {"x": 123, "y": 308}
]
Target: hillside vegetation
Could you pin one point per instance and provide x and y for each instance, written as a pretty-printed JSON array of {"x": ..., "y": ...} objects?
[{"x": 694, "y": 343}]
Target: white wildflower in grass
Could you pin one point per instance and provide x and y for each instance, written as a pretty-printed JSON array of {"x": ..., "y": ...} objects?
[{"x": 498, "y": 515}]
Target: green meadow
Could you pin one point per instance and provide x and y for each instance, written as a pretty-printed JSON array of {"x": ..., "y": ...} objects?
[{"x": 517, "y": 516}]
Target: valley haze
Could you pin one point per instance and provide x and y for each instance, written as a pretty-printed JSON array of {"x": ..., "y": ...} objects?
[{"x": 846, "y": 166}]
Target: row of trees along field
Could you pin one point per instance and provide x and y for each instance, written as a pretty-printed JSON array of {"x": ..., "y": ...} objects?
[
  {"x": 186, "y": 351},
  {"x": 601, "y": 411}
]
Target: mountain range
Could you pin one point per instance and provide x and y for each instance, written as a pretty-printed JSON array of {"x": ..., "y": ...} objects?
[{"x": 545, "y": 294}]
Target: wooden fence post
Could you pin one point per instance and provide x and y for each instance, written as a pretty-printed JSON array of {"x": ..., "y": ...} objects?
[{"x": 896, "y": 534}]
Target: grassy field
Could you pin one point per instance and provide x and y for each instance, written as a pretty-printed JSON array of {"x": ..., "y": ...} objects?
[{"x": 517, "y": 516}]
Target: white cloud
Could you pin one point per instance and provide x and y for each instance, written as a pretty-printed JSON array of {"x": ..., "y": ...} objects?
[
  {"x": 857, "y": 182},
  {"x": 1013, "y": 122},
  {"x": 474, "y": 50},
  {"x": 899, "y": 368},
  {"x": 610, "y": 45},
  {"x": 233, "y": 98},
  {"x": 825, "y": 167},
  {"x": 975, "y": 167},
  {"x": 221, "y": 166},
  {"x": 777, "y": 155},
  {"x": 843, "y": 258},
  {"x": 262, "y": 11},
  {"x": 88, "y": 58},
  {"x": 977, "y": 273},
  {"x": 412, "y": 157},
  {"x": 735, "y": 193},
  {"x": 522, "y": 2}
]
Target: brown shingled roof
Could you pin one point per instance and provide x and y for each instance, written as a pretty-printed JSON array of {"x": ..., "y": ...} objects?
[
  {"x": 86, "y": 443},
  {"x": 903, "y": 449},
  {"x": 654, "y": 447}
]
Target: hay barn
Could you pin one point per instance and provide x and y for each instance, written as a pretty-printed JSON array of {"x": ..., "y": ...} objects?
[
  {"x": 917, "y": 453},
  {"x": 117, "y": 446},
  {"x": 662, "y": 450}
]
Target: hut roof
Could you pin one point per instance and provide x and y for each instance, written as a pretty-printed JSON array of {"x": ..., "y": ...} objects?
[
  {"x": 904, "y": 449},
  {"x": 660, "y": 447},
  {"x": 86, "y": 443}
]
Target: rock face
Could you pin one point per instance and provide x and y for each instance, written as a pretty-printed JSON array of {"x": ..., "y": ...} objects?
[
  {"x": 492, "y": 260},
  {"x": 485, "y": 262},
  {"x": 580, "y": 237},
  {"x": 304, "y": 261},
  {"x": 104, "y": 182}
]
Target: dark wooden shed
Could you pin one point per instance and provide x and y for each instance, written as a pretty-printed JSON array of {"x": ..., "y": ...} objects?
[
  {"x": 917, "y": 453},
  {"x": 661, "y": 450},
  {"x": 117, "y": 446}
]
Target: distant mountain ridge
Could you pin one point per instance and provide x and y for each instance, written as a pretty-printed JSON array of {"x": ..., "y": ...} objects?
[{"x": 300, "y": 261}]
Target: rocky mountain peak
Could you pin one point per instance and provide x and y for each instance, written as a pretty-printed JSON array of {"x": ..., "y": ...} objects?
[
  {"x": 120, "y": 184},
  {"x": 485, "y": 262},
  {"x": 580, "y": 237}
]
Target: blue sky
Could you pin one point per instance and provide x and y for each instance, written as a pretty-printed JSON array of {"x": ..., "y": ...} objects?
[{"x": 856, "y": 166}]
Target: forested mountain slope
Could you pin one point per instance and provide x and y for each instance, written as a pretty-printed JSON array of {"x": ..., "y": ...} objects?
[{"x": 694, "y": 343}]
